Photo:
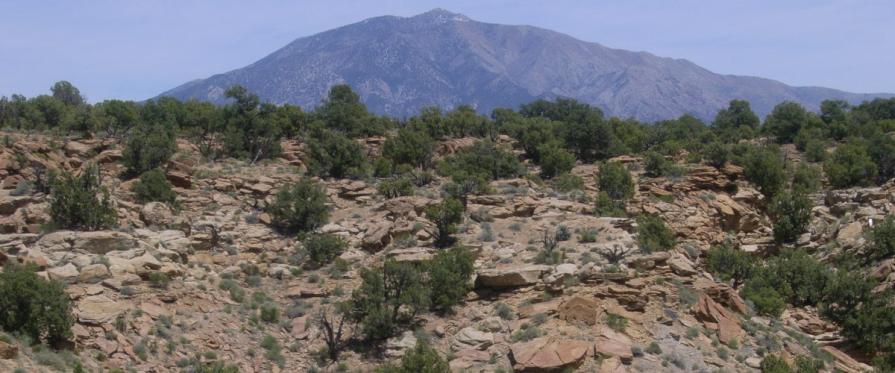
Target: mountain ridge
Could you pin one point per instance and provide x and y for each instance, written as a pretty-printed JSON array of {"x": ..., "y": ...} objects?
[{"x": 439, "y": 58}]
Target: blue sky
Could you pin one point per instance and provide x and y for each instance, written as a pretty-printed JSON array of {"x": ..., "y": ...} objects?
[{"x": 137, "y": 49}]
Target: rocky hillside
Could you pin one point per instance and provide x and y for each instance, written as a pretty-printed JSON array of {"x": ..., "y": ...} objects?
[
  {"x": 171, "y": 287},
  {"x": 399, "y": 65}
]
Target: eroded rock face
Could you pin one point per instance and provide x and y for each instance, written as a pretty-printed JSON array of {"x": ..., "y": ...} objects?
[
  {"x": 100, "y": 309},
  {"x": 547, "y": 354},
  {"x": 714, "y": 316},
  {"x": 510, "y": 277}
]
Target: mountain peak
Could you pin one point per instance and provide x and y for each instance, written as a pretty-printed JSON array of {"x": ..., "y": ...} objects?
[
  {"x": 401, "y": 64},
  {"x": 442, "y": 16}
]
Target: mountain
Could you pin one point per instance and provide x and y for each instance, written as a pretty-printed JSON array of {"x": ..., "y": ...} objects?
[{"x": 439, "y": 58}]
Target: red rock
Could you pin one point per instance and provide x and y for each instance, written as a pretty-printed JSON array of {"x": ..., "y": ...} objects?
[
  {"x": 715, "y": 316},
  {"x": 546, "y": 354}
]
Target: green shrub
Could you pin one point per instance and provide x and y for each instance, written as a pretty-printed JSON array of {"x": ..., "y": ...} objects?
[
  {"x": 566, "y": 183},
  {"x": 850, "y": 165},
  {"x": 615, "y": 180},
  {"x": 449, "y": 276},
  {"x": 300, "y": 207},
  {"x": 616, "y": 322},
  {"x": 153, "y": 186},
  {"x": 420, "y": 359},
  {"x": 608, "y": 207},
  {"x": 33, "y": 306},
  {"x": 815, "y": 150},
  {"x": 730, "y": 264},
  {"x": 654, "y": 348},
  {"x": 806, "y": 179},
  {"x": 716, "y": 154},
  {"x": 792, "y": 213},
  {"x": 882, "y": 239},
  {"x": 774, "y": 364},
  {"x": 269, "y": 313},
  {"x": 767, "y": 301},
  {"x": 388, "y": 297},
  {"x": 321, "y": 249},
  {"x": 333, "y": 154},
  {"x": 252, "y": 129},
  {"x": 764, "y": 168},
  {"x": 410, "y": 147},
  {"x": 555, "y": 160},
  {"x": 148, "y": 148},
  {"x": 655, "y": 164},
  {"x": 446, "y": 215},
  {"x": 484, "y": 160},
  {"x": 81, "y": 202},
  {"x": 395, "y": 187},
  {"x": 653, "y": 235},
  {"x": 786, "y": 120}
]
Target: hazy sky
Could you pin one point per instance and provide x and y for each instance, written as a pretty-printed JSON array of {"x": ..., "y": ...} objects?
[{"x": 137, "y": 49}]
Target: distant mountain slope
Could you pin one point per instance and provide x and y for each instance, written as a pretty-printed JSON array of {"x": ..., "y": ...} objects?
[{"x": 439, "y": 58}]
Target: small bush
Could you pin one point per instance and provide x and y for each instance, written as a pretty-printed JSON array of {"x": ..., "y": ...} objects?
[
  {"x": 562, "y": 233},
  {"x": 615, "y": 180},
  {"x": 33, "y": 306},
  {"x": 850, "y": 165},
  {"x": 421, "y": 358},
  {"x": 616, "y": 322},
  {"x": 792, "y": 213},
  {"x": 716, "y": 154},
  {"x": 653, "y": 235},
  {"x": 446, "y": 215},
  {"x": 148, "y": 148},
  {"x": 449, "y": 275},
  {"x": 566, "y": 183},
  {"x": 503, "y": 311},
  {"x": 608, "y": 207},
  {"x": 774, "y": 364},
  {"x": 300, "y": 207},
  {"x": 388, "y": 297},
  {"x": 555, "y": 160},
  {"x": 396, "y": 187},
  {"x": 333, "y": 154},
  {"x": 81, "y": 202},
  {"x": 269, "y": 313},
  {"x": 764, "y": 168},
  {"x": 409, "y": 147},
  {"x": 882, "y": 239},
  {"x": 320, "y": 249},
  {"x": 655, "y": 164},
  {"x": 806, "y": 179},
  {"x": 730, "y": 264},
  {"x": 654, "y": 348},
  {"x": 153, "y": 186}
]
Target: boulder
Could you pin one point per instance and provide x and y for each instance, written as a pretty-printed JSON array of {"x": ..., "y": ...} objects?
[
  {"x": 547, "y": 354},
  {"x": 94, "y": 273},
  {"x": 180, "y": 179},
  {"x": 67, "y": 274},
  {"x": 377, "y": 237},
  {"x": 99, "y": 309},
  {"x": 613, "y": 344},
  {"x": 157, "y": 213},
  {"x": 471, "y": 338},
  {"x": 102, "y": 242},
  {"x": 682, "y": 266},
  {"x": 612, "y": 365},
  {"x": 510, "y": 277},
  {"x": 580, "y": 310},
  {"x": 396, "y": 347}
]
